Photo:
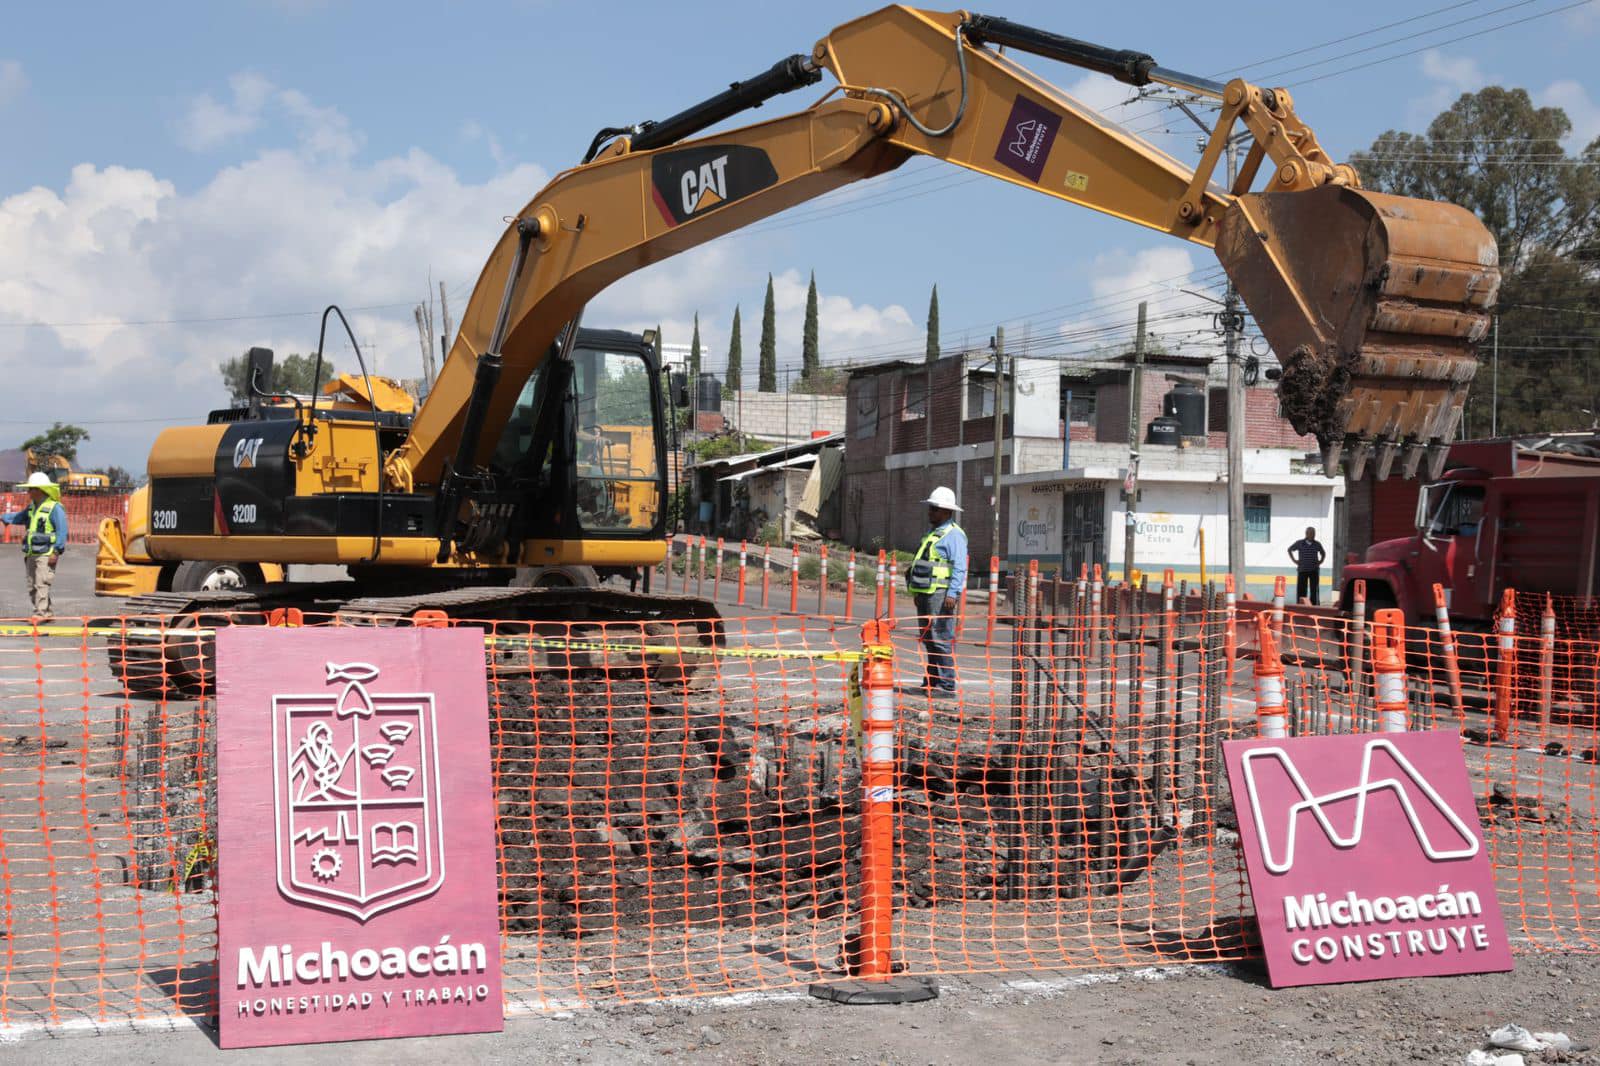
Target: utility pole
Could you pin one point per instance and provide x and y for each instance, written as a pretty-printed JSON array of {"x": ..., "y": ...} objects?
[
  {"x": 1494, "y": 389},
  {"x": 1233, "y": 329},
  {"x": 999, "y": 432},
  {"x": 444, "y": 338},
  {"x": 1130, "y": 487},
  {"x": 427, "y": 346}
]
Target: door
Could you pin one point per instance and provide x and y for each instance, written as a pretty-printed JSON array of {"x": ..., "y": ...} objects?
[{"x": 1083, "y": 530}]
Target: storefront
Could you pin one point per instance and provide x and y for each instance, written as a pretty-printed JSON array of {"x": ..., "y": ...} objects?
[{"x": 1078, "y": 516}]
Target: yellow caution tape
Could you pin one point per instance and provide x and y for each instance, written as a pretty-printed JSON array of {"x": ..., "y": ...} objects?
[{"x": 544, "y": 643}]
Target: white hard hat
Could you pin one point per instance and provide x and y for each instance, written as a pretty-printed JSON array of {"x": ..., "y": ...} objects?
[
  {"x": 943, "y": 499},
  {"x": 37, "y": 480}
]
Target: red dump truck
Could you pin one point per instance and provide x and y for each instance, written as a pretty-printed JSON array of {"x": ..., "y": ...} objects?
[{"x": 1504, "y": 515}]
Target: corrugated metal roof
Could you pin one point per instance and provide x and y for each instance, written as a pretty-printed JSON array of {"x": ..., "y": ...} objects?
[{"x": 824, "y": 480}]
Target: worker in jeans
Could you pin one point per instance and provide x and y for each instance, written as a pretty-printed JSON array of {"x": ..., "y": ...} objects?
[
  {"x": 1307, "y": 554},
  {"x": 44, "y": 538},
  {"x": 936, "y": 577}
]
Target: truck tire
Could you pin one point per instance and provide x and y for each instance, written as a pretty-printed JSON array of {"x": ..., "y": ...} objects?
[
  {"x": 557, "y": 577},
  {"x": 198, "y": 575}
]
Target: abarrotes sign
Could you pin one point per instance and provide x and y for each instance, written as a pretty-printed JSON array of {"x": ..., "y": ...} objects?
[
  {"x": 380, "y": 918},
  {"x": 1366, "y": 857}
]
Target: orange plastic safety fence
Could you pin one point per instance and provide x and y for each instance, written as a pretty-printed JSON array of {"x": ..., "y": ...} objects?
[{"x": 676, "y": 823}]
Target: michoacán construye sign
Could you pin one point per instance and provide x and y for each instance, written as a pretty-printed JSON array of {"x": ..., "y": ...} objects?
[
  {"x": 1366, "y": 857},
  {"x": 356, "y": 838}
]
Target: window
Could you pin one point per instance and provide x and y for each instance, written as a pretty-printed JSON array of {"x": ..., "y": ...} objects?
[
  {"x": 1080, "y": 403},
  {"x": 1257, "y": 518},
  {"x": 1217, "y": 412},
  {"x": 866, "y": 409},
  {"x": 618, "y": 483},
  {"x": 916, "y": 397},
  {"x": 980, "y": 395},
  {"x": 1453, "y": 509}
]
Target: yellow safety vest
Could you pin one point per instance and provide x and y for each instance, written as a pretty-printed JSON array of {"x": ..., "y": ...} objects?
[
  {"x": 41, "y": 538},
  {"x": 930, "y": 573}
]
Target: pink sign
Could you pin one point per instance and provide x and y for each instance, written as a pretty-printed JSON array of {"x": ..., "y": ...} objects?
[
  {"x": 356, "y": 836},
  {"x": 1366, "y": 858}
]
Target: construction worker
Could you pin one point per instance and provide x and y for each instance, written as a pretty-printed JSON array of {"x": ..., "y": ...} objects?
[
  {"x": 43, "y": 540},
  {"x": 936, "y": 577}
]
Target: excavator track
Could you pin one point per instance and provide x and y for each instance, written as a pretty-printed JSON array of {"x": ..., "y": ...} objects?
[{"x": 167, "y": 649}]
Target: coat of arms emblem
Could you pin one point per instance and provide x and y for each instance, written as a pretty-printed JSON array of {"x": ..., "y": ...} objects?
[{"x": 356, "y": 795}]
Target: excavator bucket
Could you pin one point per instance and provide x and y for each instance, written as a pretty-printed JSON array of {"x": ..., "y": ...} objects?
[{"x": 1375, "y": 305}]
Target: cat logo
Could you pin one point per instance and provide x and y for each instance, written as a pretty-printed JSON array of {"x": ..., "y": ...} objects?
[
  {"x": 688, "y": 183},
  {"x": 706, "y": 187},
  {"x": 244, "y": 452}
]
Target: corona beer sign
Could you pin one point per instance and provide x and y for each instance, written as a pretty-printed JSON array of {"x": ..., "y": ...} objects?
[
  {"x": 379, "y": 917},
  {"x": 1366, "y": 858}
]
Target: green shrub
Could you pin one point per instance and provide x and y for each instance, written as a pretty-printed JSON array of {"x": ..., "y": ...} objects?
[{"x": 810, "y": 567}]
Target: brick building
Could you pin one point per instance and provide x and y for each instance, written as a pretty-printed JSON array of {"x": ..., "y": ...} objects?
[{"x": 1064, "y": 456}]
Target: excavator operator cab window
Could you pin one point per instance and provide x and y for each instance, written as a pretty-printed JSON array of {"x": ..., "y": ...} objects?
[
  {"x": 1452, "y": 509},
  {"x": 618, "y": 480}
]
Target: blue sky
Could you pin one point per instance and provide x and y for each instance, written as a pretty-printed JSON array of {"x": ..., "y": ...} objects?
[{"x": 186, "y": 180}]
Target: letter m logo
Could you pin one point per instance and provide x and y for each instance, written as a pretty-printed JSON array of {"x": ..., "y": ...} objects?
[{"x": 1282, "y": 805}]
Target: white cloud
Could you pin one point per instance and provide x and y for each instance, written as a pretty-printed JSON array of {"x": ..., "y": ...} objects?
[
  {"x": 1574, "y": 99},
  {"x": 1104, "y": 94},
  {"x": 143, "y": 284},
  {"x": 473, "y": 132},
  {"x": 289, "y": 230},
  {"x": 210, "y": 123},
  {"x": 12, "y": 81},
  {"x": 1119, "y": 280},
  {"x": 1450, "y": 77}
]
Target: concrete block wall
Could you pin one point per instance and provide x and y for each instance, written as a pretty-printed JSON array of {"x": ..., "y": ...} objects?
[{"x": 779, "y": 416}]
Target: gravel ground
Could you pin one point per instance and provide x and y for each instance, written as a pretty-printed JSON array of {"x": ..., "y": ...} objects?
[{"x": 1210, "y": 1014}]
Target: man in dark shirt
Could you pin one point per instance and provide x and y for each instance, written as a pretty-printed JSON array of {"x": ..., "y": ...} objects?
[{"x": 1307, "y": 555}]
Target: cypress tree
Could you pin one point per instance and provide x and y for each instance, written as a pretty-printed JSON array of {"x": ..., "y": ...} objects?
[
  {"x": 694, "y": 351},
  {"x": 736, "y": 353},
  {"x": 933, "y": 325},
  {"x": 769, "y": 344},
  {"x": 810, "y": 362}
]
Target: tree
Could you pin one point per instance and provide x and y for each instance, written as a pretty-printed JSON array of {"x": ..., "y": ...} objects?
[
  {"x": 810, "y": 361},
  {"x": 736, "y": 354},
  {"x": 769, "y": 344},
  {"x": 1496, "y": 154},
  {"x": 694, "y": 351},
  {"x": 933, "y": 325},
  {"x": 120, "y": 480},
  {"x": 61, "y": 440},
  {"x": 292, "y": 373}
]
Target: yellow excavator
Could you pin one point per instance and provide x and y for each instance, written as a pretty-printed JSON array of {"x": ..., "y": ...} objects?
[{"x": 1374, "y": 304}]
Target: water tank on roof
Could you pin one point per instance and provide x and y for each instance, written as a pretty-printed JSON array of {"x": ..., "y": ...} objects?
[
  {"x": 1163, "y": 430},
  {"x": 1186, "y": 403},
  {"x": 708, "y": 393}
]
